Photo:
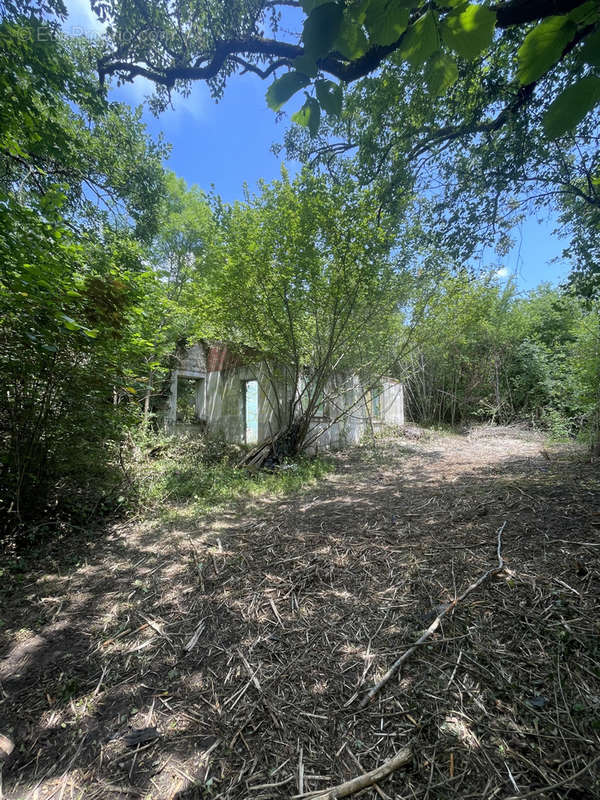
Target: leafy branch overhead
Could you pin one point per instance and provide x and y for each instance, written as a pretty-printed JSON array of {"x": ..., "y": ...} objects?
[{"x": 350, "y": 39}]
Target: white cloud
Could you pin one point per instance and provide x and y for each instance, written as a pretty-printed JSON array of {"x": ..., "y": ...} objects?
[
  {"x": 502, "y": 272},
  {"x": 81, "y": 20},
  {"x": 132, "y": 93},
  {"x": 192, "y": 108},
  {"x": 195, "y": 105}
]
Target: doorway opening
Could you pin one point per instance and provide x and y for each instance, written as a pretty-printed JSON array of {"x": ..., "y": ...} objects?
[{"x": 250, "y": 395}]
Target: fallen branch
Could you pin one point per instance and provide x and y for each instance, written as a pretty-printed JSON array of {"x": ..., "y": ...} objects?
[
  {"x": 362, "y": 781},
  {"x": 374, "y": 691}
]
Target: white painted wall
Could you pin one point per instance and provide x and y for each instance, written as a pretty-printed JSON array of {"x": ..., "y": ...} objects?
[{"x": 222, "y": 405}]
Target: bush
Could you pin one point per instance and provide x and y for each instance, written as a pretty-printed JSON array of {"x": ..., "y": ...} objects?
[{"x": 203, "y": 472}]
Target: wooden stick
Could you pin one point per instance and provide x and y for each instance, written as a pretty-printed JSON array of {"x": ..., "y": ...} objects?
[
  {"x": 556, "y": 785},
  {"x": 374, "y": 691},
  {"x": 363, "y": 781}
]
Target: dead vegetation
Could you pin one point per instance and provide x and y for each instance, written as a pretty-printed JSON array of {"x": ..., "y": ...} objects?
[{"x": 229, "y": 656}]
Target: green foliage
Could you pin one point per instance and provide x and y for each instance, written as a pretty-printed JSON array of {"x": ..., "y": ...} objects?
[
  {"x": 469, "y": 30},
  {"x": 571, "y": 106},
  {"x": 65, "y": 310},
  {"x": 285, "y": 87},
  {"x": 181, "y": 254},
  {"x": 330, "y": 97},
  {"x": 441, "y": 72},
  {"x": 590, "y": 52},
  {"x": 321, "y": 29},
  {"x": 543, "y": 47},
  {"x": 79, "y": 192},
  {"x": 203, "y": 473},
  {"x": 304, "y": 277},
  {"x": 443, "y": 132},
  {"x": 351, "y": 42},
  {"x": 484, "y": 353},
  {"x": 309, "y": 115},
  {"x": 385, "y": 21},
  {"x": 421, "y": 40}
]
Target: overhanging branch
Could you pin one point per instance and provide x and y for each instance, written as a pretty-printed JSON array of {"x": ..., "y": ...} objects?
[{"x": 207, "y": 65}]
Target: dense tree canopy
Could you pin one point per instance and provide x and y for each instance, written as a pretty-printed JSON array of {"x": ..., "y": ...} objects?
[
  {"x": 489, "y": 111},
  {"x": 394, "y": 136},
  {"x": 80, "y": 190},
  {"x": 172, "y": 44}
]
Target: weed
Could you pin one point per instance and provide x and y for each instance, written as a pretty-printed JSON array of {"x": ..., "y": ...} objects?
[{"x": 203, "y": 473}]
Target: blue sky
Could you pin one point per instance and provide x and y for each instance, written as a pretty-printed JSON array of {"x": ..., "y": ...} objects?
[{"x": 227, "y": 144}]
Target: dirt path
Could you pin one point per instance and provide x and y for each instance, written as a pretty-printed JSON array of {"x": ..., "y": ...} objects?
[{"x": 246, "y": 640}]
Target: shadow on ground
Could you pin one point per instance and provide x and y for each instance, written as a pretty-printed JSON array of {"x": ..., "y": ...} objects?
[{"x": 245, "y": 640}]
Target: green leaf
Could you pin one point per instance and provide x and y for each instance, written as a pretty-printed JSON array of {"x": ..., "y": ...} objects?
[
  {"x": 441, "y": 72},
  {"x": 421, "y": 40},
  {"x": 470, "y": 30},
  {"x": 280, "y": 91},
  {"x": 385, "y": 21},
  {"x": 586, "y": 13},
  {"x": 306, "y": 64},
  {"x": 351, "y": 41},
  {"x": 69, "y": 323},
  {"x": 571, "y": 106},
  {"x": 590, "y": 52},
  {"x": 329, "y": 95},
  {"x": 302, "y": 116},
  {"x": 310, "y": 5},
  {"x": 309, "y": 115},
  {"x": 321, "y": 29},
  {"x": 543, "y": 47}
]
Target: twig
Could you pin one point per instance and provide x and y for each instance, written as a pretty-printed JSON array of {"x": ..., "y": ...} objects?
[
  {"x": 454, "y": 670},
  {"x": 362, "y": 781},
  {"x": 194, "y": 640},
  {"x": 300, "y": 773},
  {"x": 374, "y": 691},
  {"x": 556, "y": 785},
  {"x": 376, "y": 786}
]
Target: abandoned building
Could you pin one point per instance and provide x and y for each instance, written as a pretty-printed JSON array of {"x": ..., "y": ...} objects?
[{"x": 214, "y": 390}]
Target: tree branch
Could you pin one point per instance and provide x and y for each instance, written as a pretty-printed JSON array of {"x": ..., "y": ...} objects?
[
  {"x": 208, "y": 65},
  {"x": 520, "y": 12}
]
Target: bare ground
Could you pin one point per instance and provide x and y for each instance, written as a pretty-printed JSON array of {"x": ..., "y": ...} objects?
[{"x": 300, "y": 604}]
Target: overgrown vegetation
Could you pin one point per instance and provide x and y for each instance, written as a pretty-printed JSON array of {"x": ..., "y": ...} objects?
[
  {"x": 80, "y": 185},
  {"x": 204, "y": 473},
  {"x": 485, "y": 353},
  {"x": 210, "y": 642}
]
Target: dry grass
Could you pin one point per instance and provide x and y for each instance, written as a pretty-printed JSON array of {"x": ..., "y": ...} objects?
[{"x": 248, "y": 638}]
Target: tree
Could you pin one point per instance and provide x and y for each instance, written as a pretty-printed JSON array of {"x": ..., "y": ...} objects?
[
  {"x": 80, "y": 186},
  {"x": 305, "y": 286},
  {"x": 181, "y": 254},
  {"x": 350, "y": 40},
  {"x": 485, "y": 353},
  {"x": 391, "y": 136},
  {"x": 485, "y": 109},
  {"x": 186, "y": 230}
]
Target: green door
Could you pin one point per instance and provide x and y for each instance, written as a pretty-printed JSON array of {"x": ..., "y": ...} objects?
[{"x": 251, "y": 411}]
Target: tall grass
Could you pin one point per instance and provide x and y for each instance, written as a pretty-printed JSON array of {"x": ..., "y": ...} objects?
[{"x": 204, "y": 472}]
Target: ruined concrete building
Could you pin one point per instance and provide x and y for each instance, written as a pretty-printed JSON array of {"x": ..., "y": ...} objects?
[{"x": 215, "y": 390}]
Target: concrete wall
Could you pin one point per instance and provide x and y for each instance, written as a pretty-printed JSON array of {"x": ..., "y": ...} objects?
[
  {"x": 219, "y": 401},
  {"x": 364, "y": 417},
  {"x": 220, "y": 396},
  {"x": 225, "y": 403}
]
